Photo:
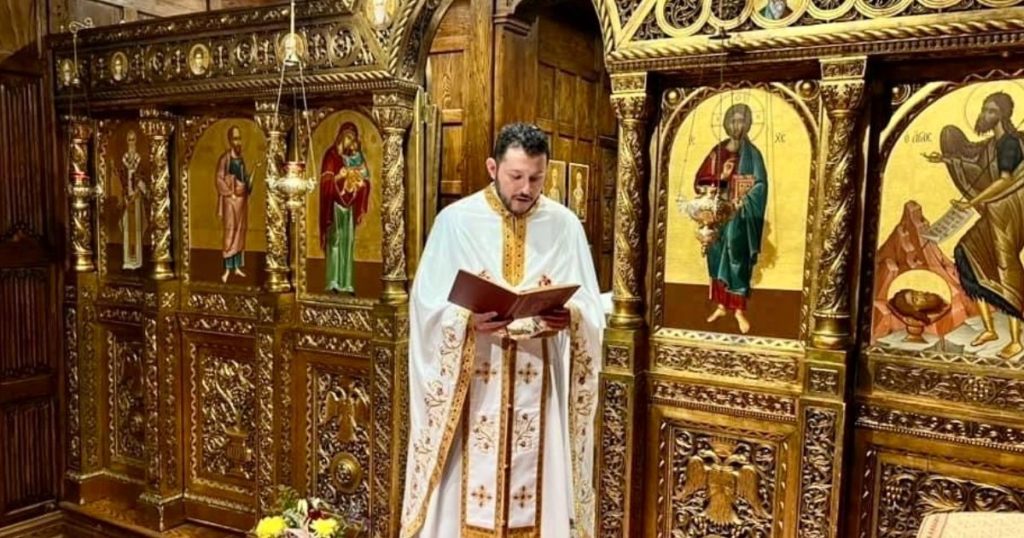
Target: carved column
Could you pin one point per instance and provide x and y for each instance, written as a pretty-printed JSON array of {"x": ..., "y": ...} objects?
[
  {"x": 275, "y": 127},
  {"x": 82, "y": 191},
  {"x": 619, "y": 463},
  {"x": 162, "y": 500},
  {"x": 823, "y": 406},
  {"x": 273, "y": 378},
  {"x": 389, "y": 402},
  {"x": 84, "y": 381},
  {"x": 842, "y": 91},
  {"x": 630, "y": 101},
  {"x": 158, "y": 125},
  {"x": 393, "y": 113},
  {"x": 84, "y": 373},
  {"x": 272, "y": 373}
]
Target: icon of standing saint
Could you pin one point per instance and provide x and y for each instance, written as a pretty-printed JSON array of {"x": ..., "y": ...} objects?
[
  {"x": 234, "y": 185},
  {"x": 990, "y": 176},
  {"x": 344, "y": 202},
  {"x": 735, "y": 169}
]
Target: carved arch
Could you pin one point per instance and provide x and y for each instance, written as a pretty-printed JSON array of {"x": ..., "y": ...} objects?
[{"x": 418, "y": 21}]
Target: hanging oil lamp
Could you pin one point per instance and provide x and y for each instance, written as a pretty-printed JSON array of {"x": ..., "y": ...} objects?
[{"x": 296, "y": 182}]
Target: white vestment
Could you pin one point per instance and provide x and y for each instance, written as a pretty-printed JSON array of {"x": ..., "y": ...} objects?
[
  {"x": 131, "y": 217},
  {"x": 501, "y": 439}
]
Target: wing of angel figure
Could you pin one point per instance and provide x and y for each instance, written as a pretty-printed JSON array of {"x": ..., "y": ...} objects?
[{"x": 965, "y": 161}]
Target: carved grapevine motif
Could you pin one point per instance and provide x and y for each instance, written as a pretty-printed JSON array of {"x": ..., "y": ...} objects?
[
  {"x": 701, "y": 396},
  {"x": 969, "y": 432},
  {"x": 816, "y": 472},
  {"x": 73, "y": 403},
  {"x": 613, "y": 457},
  {"x": 908, "y": 494},
  {"x": 152, "y": 380},
  {"x": 228, "y": 397},
  {"x": 728, "y": 363},
  {"x": 383, "y": 369},
  {"x": 265, "y": 418},
  {"x": 960, "y": 387},
  {"x": 128, "y": 409}
]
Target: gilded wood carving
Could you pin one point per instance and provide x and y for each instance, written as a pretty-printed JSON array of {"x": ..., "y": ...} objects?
[
  {"x": 82, "y": 191},
  {"x": 157, "y": 125}
]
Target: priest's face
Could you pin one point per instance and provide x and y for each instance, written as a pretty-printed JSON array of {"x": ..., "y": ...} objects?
[{"x": 519, "y": 178}]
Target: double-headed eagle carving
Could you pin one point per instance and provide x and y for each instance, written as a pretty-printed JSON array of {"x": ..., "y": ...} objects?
[{"x": 727, "y": 476}]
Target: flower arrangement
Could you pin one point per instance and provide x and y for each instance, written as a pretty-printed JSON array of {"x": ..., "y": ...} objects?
[{"x": 299, "y": 517}]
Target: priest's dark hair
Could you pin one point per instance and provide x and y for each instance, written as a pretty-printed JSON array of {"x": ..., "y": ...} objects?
[{"x": 526, "y": 136}]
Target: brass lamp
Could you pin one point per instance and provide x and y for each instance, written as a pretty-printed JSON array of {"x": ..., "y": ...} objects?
[
  {"x": 296, "y": 182},
  {"x": 294, "y": 185}
]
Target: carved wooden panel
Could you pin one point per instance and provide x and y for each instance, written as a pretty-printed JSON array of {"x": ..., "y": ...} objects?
[
  {"x": 221, "y": 425},
  {"x": 29, "y": 438},
  {"x": 338, "y": 433},
  {"x": 568, "y": 99},
  {"x": 713, "y": 479},
  {"x": 27, "y": 302},
  {"x": 125, "y": 399},
  {"x": 30, "y": 303},
  {"x": 642, "y": 21},
  {"x": 902, "y": 485},
  {"x": 22, "y": 157}
]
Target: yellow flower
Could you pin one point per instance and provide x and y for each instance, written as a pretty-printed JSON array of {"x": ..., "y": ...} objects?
[
  {"x": 271, "y": 527},
  {"x": 325, "y": 528}
]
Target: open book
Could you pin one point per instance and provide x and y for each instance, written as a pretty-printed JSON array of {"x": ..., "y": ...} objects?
[{"x": 479, "y": 295}]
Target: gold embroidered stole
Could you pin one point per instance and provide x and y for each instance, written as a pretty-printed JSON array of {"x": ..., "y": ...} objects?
[{"x": 503, "y": 446}]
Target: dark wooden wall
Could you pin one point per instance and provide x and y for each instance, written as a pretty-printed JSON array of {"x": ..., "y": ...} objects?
[{"x": 30, "y": 273}]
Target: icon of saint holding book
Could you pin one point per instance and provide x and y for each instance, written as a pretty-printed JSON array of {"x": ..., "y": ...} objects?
[{"x": 735, "y": 166}]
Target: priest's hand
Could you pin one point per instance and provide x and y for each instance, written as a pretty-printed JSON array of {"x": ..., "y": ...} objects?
[
  {"x": 556, "y": 319},
  {"x": 485, "y": 323}
]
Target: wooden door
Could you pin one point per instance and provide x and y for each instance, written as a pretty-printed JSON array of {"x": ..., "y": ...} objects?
[
  {"x": 30, "y": 273},
  {"x": 459, "y": 82}
]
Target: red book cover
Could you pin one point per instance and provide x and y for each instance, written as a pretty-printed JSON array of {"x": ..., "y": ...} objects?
[{"x": 480, "y": 295}]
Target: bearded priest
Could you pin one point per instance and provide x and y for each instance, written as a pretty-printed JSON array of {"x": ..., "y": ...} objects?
[{"x": 501, "y": 439}]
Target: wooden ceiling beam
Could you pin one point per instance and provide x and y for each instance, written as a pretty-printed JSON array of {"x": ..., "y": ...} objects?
[{"x": 161, "y": 8}]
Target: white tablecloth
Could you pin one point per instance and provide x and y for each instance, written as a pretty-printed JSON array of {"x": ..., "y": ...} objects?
[{"x": 973, "y": 525}]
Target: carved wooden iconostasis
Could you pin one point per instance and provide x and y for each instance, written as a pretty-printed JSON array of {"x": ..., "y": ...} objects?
[
  {"x": 233, "y": 336},
  {"x": 939, "y": 414},
  {"x": 859, "y": 390},
  {"x": 795, "y": 347}
]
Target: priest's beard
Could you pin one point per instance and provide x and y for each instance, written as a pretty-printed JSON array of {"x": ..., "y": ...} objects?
[{"x": 517, "y": 204}]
